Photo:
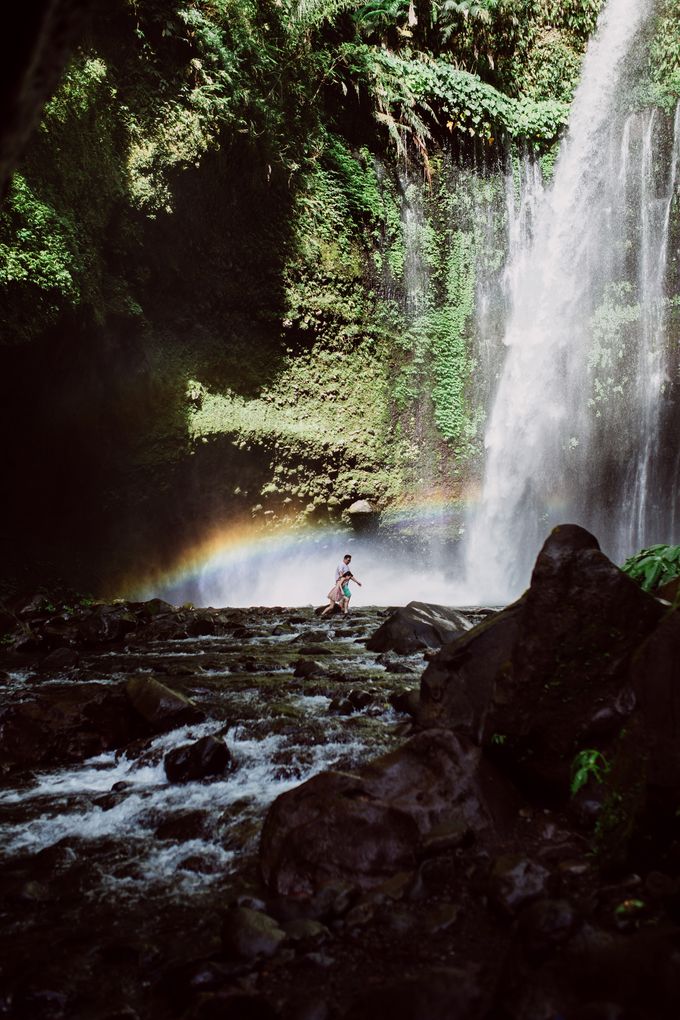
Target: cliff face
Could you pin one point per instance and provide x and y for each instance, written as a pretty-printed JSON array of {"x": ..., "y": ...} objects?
[{"x": 242, "y": 264}]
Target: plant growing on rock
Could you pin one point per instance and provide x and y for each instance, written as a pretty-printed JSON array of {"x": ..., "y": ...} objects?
[
  {"x": 588, "y": 764},
  {"x": 655, "y": 566}
]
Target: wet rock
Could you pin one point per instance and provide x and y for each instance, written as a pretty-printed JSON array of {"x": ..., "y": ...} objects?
[
  {"x": 439, "y": 918},
  {"x": 104, "y": 624},
  {"x": 419, "y": 625},
  {"x": 312, "y": 636},
  {"x": 363, "y": 827},
  {"x": 446, "y": 836},
  {"x": 233, "y": 1006},
  {"x": 524, "y": 682},
  {"x": 58, "y": 660},
  {"x": 305, "y": 668},
  {"x": 397, "y": 667},
  {"x": 654, "y": 677},
  {"x": 161, "y": 708},
  {"x": 516, "y": 881},
  {"x": 307, "y": 931},
  {"x": 60, "y": 632},
  {"x": 66, "y": 725},
  {"x": 406, "y": 701},
  {"x": 307, "y": 1008},
  {"x": 153, "y": 608},
  {"x": 26, "y": 640},
  {"x": 42, "y": 1004},
  {"x": 201, "y": 625},
  {"x": 639, "y": 971},
  {"x": 439, "y": 994},
  {"x": 669, "y": 591},
  {"x": 351, "y": 702},
  {"x": 546, "y": 924},
  {"x": 340, "y": 706},
  {"x": 199, "y": 865},
  {"x": 585, "y": 806},
  {"x": 184, "y": 827},
  {"x": 208, "y": 756},
  {"x": 247, "y": 934},
  {"x": 8, "y": 621}
]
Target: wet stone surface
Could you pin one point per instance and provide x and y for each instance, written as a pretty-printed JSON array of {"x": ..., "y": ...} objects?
[
  {"x": 422, "y": 876},
  {"x": 106, "y": 857}
]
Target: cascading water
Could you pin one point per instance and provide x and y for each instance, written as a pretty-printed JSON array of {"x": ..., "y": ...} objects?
[{"x": 584, "y": 399}]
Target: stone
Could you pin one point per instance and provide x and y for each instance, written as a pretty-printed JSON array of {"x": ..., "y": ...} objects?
[
  {"x": 105, "y": 624},
  {"x": 439, "y": 918},
  {"x": 437, "y": 994},
  {"x": 515, "y": 881},
  {"x": 340, "y": 706},
  {"x": 184, "y": 827},
  {"x": 247, "y": 934},
  {"x": 232, "y": 1006},
  {"x": 66, "y": 724},
  {"x": 363, "y": 827},
  {"x": 655, "y": 678},
  {"x": 406, "y": 701},
  {"x": 311, "y": 636},
  {"x": 418, "y": 626},
  {"x": 361, "y": 506},
  {"x": 546, "y": 924},
  {"x": 201, "y": 626},
  {"x": 305, "y": 668},
  {"x": 8, "y": 621},
  {"x": 155, "y": 607},
  {"x": 58, "y": 660},
  {"x": 524, "y": 682},
  {"x": 208, "y": 756},
  {"x": 161, "y": 708},
  {"x": 306, "y": 930},
  {"x": 669, "y": 591}
]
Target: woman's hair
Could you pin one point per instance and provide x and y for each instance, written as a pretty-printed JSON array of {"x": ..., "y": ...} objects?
[{"x": 347, "y": 573}]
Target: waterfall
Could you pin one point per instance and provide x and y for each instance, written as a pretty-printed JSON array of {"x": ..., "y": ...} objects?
[{"x": 584, "y": 398}]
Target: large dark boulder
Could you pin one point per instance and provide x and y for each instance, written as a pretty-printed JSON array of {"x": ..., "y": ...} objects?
[
  {"x": 67, "y": 725},
  {"x": 161, "y": 708},
  {"x": 105, "y": 623},
  {"x": 655, "y": 680},
  {"x": 208, "y": 756},
  {"x": 530, "y": 680},
  {"x": 436, "y": 994},
  {"x": 363, "y": 827},
  {"x": 418, "y": 626}
]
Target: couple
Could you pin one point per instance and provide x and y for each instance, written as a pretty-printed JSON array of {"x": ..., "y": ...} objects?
[{"x": 340, "y": 594}]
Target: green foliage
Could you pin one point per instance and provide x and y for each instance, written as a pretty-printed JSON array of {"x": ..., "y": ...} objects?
[
  {"x": 659, "y": 84},
  {"x": 588, "y": 764},
  {"x": 413, "y": 96},
  {"x": 654, "y": 567},
  {"x": 44, "y": 253},
  {"x": 357, "y": 177}
]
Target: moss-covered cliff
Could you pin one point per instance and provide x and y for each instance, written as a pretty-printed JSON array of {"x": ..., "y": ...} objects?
[{"x": 241, "y": 258}]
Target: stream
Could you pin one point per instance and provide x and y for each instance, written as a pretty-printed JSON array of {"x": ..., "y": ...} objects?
[{"x": 108, "y": 860}]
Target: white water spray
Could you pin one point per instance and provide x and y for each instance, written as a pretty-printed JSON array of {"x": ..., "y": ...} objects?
[{"x": 573, "y": 434}]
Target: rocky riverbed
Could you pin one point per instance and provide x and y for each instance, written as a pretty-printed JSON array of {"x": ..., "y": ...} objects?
[{"x": 419, "y": 814}]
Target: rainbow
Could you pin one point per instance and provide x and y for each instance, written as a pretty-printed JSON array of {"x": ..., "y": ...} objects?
[{"x": 237, "y": 541}]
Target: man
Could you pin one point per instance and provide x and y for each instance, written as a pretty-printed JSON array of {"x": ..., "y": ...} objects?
[{"x": 343, "y": 567}]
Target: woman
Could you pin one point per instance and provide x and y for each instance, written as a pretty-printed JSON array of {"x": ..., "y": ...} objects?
[
  {"x": 340, "y": 593},
  {"x": 335, "y": 596}
]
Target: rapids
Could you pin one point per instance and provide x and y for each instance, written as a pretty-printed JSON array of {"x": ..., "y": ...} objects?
[{"x": 126, "y": 859}]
